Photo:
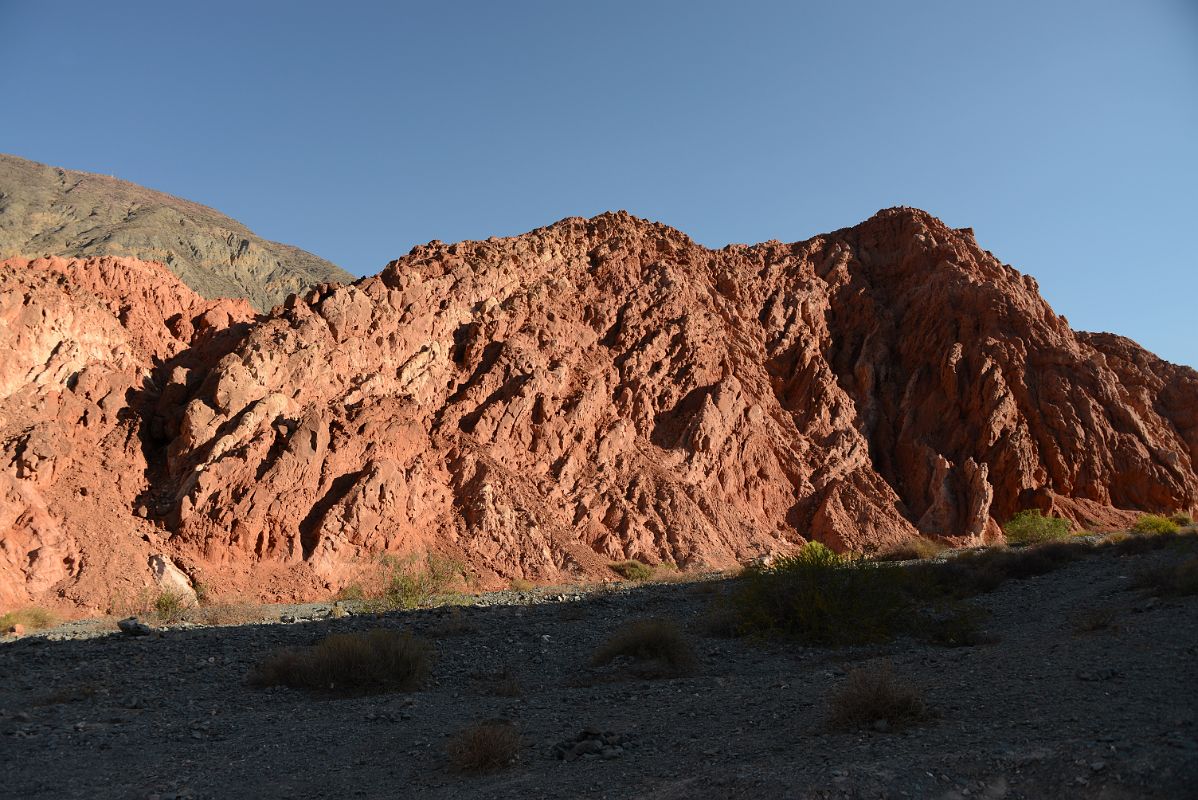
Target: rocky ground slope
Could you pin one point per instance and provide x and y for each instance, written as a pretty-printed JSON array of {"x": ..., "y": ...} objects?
[
  {"x": 1080, "y": 688},
  {"x": 538, "y": 406},
  {"x": 47, "y": 211}
]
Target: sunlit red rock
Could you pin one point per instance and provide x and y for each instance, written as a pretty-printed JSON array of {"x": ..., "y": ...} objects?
[{"x": 541, "y": 405}]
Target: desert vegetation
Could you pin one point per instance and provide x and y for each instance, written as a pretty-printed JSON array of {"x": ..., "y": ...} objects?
[
  {"x": 658, "y": 645},
  {"x": 31, "y": 618},
  {"x": 484, "y": 746},
  {"x": 872, "y": 696},
  {"x": 1031, "y": 527},
  {"x": 349, "y": 663},
  {"x": 632, "y": 570},
  {"x": 919, "y": 547},
  {"x": 1155, "y": 523},
  {"x": 406, "y": 583}
]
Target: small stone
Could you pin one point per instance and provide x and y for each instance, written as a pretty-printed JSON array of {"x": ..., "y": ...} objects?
[
  {"x": 16, "y": 630},
  {"x": 143, "y": 511},
  {"x": 881, "y": 725},
  {"x": 1098, "y": 766},
  {"x": 588, "y": 746},
  {"x": 610, "y": 753},
  {"x": 132, "y": 627},
  {"x": 286, "y": 619}
]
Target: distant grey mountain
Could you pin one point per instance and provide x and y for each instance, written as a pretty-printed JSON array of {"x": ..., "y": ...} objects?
[{"x": 45, "y": 210}]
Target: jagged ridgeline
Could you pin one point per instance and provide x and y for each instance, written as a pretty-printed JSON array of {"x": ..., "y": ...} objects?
[
  {"x": 47, "y": 211},
  {"x": 540, "y": 406}
]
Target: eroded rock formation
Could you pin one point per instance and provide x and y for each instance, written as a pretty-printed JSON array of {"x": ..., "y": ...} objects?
[{"x": 540, "y": 405}]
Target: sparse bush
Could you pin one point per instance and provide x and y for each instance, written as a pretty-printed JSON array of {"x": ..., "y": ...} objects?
[
  {"x": 984, "y": 571},
  {"x": 410, "y": 586},
  {"x": 521, "y": 585},
  {"x": 916, "y": 548},
  {"x": 32, "y": 617},
  {"x": 822, "y": 598},
  {"x": 632, "y": 570},
  {"x": 1031, "y": 526},
  {"x": 1182, "y": 520},
  {"x": 658, "y": 643},
  {"x": 1094, "y": 619},
  {"x": 1170, "y": 580},
  {"x": 405, "y": 583},
  {"x": 874, "y": 696},
  {"x": 721, "y": 620},
  {"x": 350, "y": 593},
  {"x": 455, "y": 624},
  {"x": 484, "y": 746},
  {"x": 170, "y": 606},
  {"x": 1154, "y": 524},
  {"x": 1126, "y": 544},
  {"x": 958, "y": 625},
  {"x": 238, "y": 613},
  {"x": 349, "y": 663}
]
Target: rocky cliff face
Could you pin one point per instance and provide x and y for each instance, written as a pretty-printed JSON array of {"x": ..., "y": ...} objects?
[
  {"x": 81, "y": 340},
  {"x": 601, "y": 389},
  {"x": 46, "y": 211}
]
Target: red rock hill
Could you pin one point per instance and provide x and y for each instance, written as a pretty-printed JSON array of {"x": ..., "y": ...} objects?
[{"x": 600, "y": 389}]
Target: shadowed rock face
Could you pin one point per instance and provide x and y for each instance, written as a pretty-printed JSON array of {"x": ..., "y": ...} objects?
[
  {"x": 602, "y": 389},
  {"x": 46, "y": 211}
]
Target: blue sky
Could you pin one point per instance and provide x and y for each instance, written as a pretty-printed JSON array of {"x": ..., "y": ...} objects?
[{"x": 1065, "y": 133}]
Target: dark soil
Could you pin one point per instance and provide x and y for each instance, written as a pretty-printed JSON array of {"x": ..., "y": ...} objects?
[{"x": 1047, "y": 708}]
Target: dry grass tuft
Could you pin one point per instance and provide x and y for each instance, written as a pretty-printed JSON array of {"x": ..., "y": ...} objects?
[
  {"x": 455, "y": 624},
  {"x": 632, "y": 570},
  {"x": 1094, "y": 619},
  {"x": 484, "y": 746},
  {"x": 349, "y": 663},
  {"x": 657, "y": 643},
  {"x": 33, "y": 618},
  {"x": 234, "y": 613},
  {"x": 915, "y": 549},
  {"x": 720, "y": 621},
  {"x": 1170, "y": 580},
  {"x": 873, "y": 696}
]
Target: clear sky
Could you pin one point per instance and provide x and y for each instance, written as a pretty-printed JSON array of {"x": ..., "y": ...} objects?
[{"x": 1065, "y": 133}]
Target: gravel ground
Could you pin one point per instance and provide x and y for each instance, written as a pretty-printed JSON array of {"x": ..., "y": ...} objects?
[{"x": 1045, "y": 710}]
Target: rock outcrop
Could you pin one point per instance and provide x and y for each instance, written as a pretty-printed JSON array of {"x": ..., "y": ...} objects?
[
  {"x": 81, "y": 341},
  {"x": 47, "y": 211},
  {"x": 601, "y": 389}
]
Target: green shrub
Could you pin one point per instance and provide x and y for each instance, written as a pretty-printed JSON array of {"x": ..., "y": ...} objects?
[
  {"x": 657, "y": 643},
  {"x": 170, "y": 606},
  {"x": 349, "y": 663},
  {"x": 1182, "y": 520},
  {"x": 406, "y": 583},
  {"x": 1154, "y": 523},
  {"x": 632, "y": 570},
  {"x": 1031, "y": 526},
  {"x": 822, "y": 598}
]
